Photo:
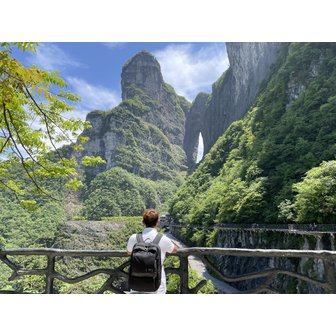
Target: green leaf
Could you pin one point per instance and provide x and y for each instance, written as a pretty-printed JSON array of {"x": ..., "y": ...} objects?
[
  {"x": 29, "y": 205},
  {"x": 92, "y": 160}
]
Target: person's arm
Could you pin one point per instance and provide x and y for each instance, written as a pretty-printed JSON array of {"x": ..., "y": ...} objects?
[
  {"x": 130, "y": 244},
  {"x": 170, "y": 246},
  {"x": 174, "y": 249}
]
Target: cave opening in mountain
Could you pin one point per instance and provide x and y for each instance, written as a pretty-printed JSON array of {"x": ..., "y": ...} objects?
[{"x": 200, "y": 148}]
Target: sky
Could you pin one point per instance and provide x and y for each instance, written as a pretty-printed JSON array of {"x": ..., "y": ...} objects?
[{"x": 93, "y": 70}]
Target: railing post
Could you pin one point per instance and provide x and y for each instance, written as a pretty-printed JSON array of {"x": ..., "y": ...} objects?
[
  {"x": 50, "y": 275},
  {"x": 184, "y": 275}
]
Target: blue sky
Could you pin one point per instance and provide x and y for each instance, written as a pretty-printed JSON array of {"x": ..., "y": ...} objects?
[{"x": 93, "y": 70}]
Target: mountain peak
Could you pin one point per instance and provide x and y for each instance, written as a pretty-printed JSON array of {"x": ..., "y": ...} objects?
[{"x": 142, "y": 71}]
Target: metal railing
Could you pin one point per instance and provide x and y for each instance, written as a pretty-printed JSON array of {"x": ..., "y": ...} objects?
[
  {"x": 328, "y": 258},
  {"x": 260, "y": 226}
]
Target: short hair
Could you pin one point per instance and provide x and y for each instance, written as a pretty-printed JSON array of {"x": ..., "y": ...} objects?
[{"x": 150, "y": 217}]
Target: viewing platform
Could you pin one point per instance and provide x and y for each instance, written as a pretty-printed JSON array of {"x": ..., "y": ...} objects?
[{"x": 119, "y": 274}]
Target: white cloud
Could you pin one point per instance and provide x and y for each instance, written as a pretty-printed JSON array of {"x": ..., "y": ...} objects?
[
  {"x": 50, "y": 57},
  {"x": 92, "y": 97},
  {"x": 189, "y": 71}
]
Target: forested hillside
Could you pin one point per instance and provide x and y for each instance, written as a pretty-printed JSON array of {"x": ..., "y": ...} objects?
[
  {"x": 252, "y": 172},
  {"x": 140, "y": 140}
]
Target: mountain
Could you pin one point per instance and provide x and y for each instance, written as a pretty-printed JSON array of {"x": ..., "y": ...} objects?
[
  {"x": 141, "y": 141},
  {"x": 251, "y": 170},
  {"x": 144, "y": 134},
  {"x": 232, "y": 94}
]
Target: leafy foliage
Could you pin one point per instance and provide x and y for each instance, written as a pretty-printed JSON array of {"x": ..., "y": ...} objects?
[
  {"x": 315, "y": 201},
  {"x": 117, "y": 192},
  {"x": 34, "y": 225},
  {"x": 34, "y": 104}
]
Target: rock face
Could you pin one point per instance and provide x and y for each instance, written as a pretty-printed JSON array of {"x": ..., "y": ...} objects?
[
  {"x": 144, "y": 134},
  {"x": 148, "y": 100},
  {"x": 233, "y": 266},
  {"x": 232, "y": 94},
  {"x": 194, "y": 121},
  {"x": 142, "y": 71},
  {"x": 141, "y": 79},
  {"x": 311, "y": 267}
]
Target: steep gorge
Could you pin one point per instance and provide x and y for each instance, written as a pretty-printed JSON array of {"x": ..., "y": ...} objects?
[
  {"x": 232, "y": 94},
  {"x": 290, "y": 127}
]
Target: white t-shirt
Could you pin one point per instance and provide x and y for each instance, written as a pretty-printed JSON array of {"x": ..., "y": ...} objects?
[{"x": 166, "y": 245}]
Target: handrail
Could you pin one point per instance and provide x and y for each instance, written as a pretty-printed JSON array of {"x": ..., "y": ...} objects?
[
  {"x": 314, "y": 228},
  {"x": 327, "y": 257}
]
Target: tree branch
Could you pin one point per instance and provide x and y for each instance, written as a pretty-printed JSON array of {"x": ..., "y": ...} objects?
[
  {"x": 23, "y": 146},
  {"x": 22, "y": 158},
  {"x": 45, "y": 119},
  {"x": 4, "y": 145},
  {"x": 11, "y": 189}
]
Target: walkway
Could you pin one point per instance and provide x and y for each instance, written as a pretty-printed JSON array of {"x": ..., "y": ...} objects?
[{"x": 197, "y": 265}]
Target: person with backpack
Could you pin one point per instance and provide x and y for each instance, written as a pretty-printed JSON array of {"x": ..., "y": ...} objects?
[{"x": 148, "y": 250}]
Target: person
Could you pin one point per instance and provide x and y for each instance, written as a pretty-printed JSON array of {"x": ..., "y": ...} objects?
[{"x": 151, "y": 222}]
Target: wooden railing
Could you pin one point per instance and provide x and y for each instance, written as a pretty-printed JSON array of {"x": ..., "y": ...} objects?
[{"x": 328, "y": 258}]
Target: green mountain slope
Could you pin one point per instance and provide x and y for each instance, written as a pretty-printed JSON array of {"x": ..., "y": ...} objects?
[
  {"x": 140, "y": 140},
  {"x": 290, "y": 128}
]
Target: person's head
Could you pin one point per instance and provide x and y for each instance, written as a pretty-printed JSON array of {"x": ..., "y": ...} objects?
[{"x": 150, "y": 217}]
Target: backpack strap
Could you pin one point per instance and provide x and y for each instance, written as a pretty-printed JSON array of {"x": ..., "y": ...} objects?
[
  {"x": 139, "y": 238},
  {"x": 157, "y": 239}
]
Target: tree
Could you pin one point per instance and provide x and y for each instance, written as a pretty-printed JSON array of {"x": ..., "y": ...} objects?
[
  {"x": 117, "y": 192},
  {"x": 316, "y": 195},
  {"x": 33, "y": 124}
]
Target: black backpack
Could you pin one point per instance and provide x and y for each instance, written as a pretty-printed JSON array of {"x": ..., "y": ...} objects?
[{"x": 145, "y": 269}]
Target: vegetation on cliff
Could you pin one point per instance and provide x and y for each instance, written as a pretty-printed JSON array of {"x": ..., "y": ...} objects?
[
  {"x": 251, "y": 169},
  {"x": 117, "y": 192},
  {"x": 315, "y": 199},
  {"x": 143, "y": 135},
  {"x": 136, "y": 146}
]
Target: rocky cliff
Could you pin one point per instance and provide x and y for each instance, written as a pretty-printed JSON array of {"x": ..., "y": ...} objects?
[
  {"x": 194, "y": 122},
  {"x": 232, "y": 94},
  {"x": 141, "y": 79},
  {"x": 251, "y": 172},
  {"x": 149, "y": 102},
  {"x": 311, "y": 267},
  {"x": 144, "y": 134},
  {"x": 232, "y": 266}
]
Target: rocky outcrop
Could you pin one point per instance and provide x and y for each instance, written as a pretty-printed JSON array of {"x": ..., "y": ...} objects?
[
  {"x": 233, "y": 266},
  {"x": 232, "y": 94},
  {"x": 141, "y": 80},
  {"x": 254, "y": 239},
  {"x": 298, "y": 83},
  {"x": 194, "y": 122},
  {"x": 142, "y": 71},
  {"x": 144, "y": 134}
]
